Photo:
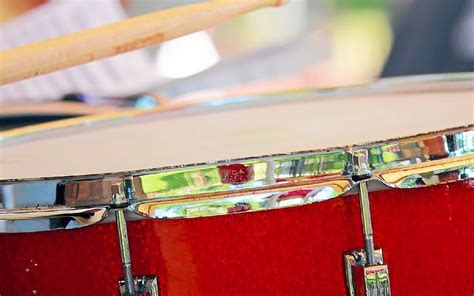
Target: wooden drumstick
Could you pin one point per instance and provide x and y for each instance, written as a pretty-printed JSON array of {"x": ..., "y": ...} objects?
[{"x": 109, "y": 40}]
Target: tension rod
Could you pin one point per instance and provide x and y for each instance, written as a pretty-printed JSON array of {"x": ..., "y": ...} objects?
[
  {"x": 130, "y": 285},
  {"x": 362, "y": 172},
  {"x": 121, "y": 195},
  {"x": 366, "y": 222},
  {"x": 125, "y": 252}
]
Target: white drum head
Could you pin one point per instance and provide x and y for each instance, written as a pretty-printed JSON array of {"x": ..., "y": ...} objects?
[{"x": 263, "y": 125}]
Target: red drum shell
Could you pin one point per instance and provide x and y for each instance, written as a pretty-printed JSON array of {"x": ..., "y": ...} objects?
[{"x": 427, "y": 236}]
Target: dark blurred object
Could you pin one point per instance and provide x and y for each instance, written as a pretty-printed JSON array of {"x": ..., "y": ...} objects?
[
  {"x": 432, "y": 38},
  {"x": 74, "y": 97},
  {"x": 21, "y": 120},
  {"x": 21, "y": 115}
]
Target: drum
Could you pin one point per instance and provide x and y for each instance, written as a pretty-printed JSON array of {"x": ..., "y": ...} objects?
[{"x": 362, "y": 191}]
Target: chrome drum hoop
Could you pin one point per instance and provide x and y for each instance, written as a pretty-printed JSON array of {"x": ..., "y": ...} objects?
[{"x": 236, "y": 186}]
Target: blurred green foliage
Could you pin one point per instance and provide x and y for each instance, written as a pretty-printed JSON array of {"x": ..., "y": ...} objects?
[{"x": 358, "y": 4}]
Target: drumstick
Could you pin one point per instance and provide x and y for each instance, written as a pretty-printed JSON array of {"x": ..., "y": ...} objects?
[{"x": 109, "y": 40}]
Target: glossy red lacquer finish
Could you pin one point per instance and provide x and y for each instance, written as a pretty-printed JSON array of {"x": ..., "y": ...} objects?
[{"x": 427, "y": 236}]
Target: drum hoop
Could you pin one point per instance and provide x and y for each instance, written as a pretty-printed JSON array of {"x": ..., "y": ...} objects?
[{"x": 246, "y": 185}]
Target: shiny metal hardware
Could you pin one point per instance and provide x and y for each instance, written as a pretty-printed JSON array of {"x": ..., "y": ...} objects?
[
  {"x": 144, "y": 286},
  {"x": 361, "y": 164},
  {"x": 365, "y": 272},
  {"x": 130, "y": 285},
  {"x": 120, "y": 199},
  {"x": 362, "y": 172},
  {"x": 376, "y": 280},
  {"x": 50, "y": 218},
  {"x": 366, "y": 280},
  {"x": 125, "y": 253},
  {"x": 122, "y": 195},
  {"x": 366, "y": 222},
  {"x": 269, "y": 182}
]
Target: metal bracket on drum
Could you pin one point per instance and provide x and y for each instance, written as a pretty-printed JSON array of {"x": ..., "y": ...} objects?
[
  {"x": 145, "y": 285},
  {"x": 366, "y": 273},
  {"x": 130, "y": 285},
  {"x": 360, "y": 278}
]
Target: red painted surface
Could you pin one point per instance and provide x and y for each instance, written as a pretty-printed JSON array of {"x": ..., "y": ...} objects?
[{"x": 427, "y": 236}]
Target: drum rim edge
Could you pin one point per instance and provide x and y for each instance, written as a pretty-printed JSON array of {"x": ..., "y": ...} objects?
[{"x": 420, "y": 169}]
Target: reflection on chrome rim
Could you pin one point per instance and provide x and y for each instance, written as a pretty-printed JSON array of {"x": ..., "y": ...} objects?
[{"x": 237, "y": 186}]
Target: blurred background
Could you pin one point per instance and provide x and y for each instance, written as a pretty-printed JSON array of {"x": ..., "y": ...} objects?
[{"x": 307, "y": 43}]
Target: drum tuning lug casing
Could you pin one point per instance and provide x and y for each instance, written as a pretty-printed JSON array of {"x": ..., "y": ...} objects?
[
  {"x": 364, "y": 279},
  {"x": 144, "y": 286}
]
